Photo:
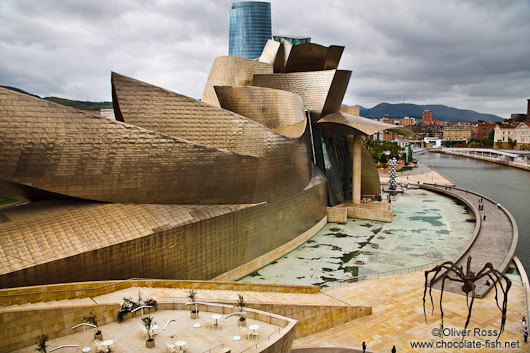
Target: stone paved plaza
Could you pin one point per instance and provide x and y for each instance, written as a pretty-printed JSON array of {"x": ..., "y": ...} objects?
[{"x": 396, "y": 319}]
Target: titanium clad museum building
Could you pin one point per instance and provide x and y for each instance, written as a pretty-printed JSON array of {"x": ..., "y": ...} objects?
[
  {"x": 180, "y": 188},
  {"x": 250, "y": 28}
]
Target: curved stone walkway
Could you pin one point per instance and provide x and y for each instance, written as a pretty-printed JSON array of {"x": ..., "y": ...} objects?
[{"x": 495, "y": 241}]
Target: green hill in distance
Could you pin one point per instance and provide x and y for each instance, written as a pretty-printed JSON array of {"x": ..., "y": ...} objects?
[
  {"x": 81, "y": 105},
  {"x": 439, "y": 112},
  {"x": 382, "y": 110}
]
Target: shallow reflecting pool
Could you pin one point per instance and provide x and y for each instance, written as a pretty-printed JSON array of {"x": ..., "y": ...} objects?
[{"x": 425, "y": 227}]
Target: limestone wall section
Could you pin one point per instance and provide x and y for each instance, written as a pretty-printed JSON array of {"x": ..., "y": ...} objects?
[
  {"x": 19, "y": 329},
  {"x": 315, "y": 318}
]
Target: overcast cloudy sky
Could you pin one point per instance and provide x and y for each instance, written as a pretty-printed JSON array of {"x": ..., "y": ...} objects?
[{"x": 470, "y": 54}]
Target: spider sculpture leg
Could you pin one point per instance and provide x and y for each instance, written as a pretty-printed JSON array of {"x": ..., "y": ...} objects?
[
  {"x": 449, "y": 266},
  {"x": 498, "y": 275},
  {"x": 442, "y": 293},
  {"x": 488, "y": 270},
  {"x": 469, "y": 308}
]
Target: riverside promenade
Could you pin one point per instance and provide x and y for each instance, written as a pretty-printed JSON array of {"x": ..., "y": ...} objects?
[
  {"x": 494, "y": 239},
  {"x": 419, "y": 175}
]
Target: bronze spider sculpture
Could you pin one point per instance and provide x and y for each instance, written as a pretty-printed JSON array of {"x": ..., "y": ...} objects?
[{"x": 468, "y": 279}]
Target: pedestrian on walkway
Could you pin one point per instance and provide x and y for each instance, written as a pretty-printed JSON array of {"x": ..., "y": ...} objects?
[
  {"x": 525, "y": 335},
  {"x": 484, "y": 216},
  {"x": 498, "y": 205},
  {"x": 466, "y": 191},
  {"x": 523, "y": 322},
  {"x": 393, "y": 349},
  {"x": 364, "y": 347}
]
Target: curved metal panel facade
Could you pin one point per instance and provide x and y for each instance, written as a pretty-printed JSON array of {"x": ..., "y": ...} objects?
[
  {"x": 313, "y": 57},
  {"x": 42, "y": 242},
  {"x": 232, "y": 71},
  {"x": 313, "y": 87},
  {"x": 277, "y": 110},
  {"x": 370, "y": 183},
  {"x": 340, "y": 124},
  {"x": 64, "y": 151},
  {"x": 270, "y": 52},
  {"x": 173, "y": 114},
  {"x": 190, "y": 190}
]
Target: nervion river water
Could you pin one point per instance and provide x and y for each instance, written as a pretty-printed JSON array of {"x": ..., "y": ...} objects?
[{"x": 507, "y": 185}]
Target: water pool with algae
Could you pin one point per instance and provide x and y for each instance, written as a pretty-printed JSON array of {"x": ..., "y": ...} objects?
[{"x": 425, "y": 227}]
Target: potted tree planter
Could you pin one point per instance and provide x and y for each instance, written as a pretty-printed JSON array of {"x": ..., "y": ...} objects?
[
  {"x": 192, "y": 296},
  {"x": 92, "y": 319},
  {"x": 41, "y": 342},
  {"x": 148, "y": 322},
  {"x": 241, "y": 304},
  {"x": 126, "y": 307}
]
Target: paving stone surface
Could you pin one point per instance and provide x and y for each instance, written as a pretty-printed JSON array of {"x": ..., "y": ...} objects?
[
  {"x": 397, "y": 318},
  {"x": 493, "y": 243}
]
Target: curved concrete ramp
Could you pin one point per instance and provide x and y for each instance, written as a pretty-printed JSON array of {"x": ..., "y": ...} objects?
[{"x": 494, "y": 241}]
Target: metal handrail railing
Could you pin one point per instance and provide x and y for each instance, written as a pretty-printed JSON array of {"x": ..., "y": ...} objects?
[
  {"x": 375, "y": 275},
  {"x": 268, "y": 338},
  {"x": 284, "y": 324},
  {"x": 222, "y": 345}
]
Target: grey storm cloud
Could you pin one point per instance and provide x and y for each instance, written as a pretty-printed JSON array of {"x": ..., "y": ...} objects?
[{"x": 471, "y": 54}]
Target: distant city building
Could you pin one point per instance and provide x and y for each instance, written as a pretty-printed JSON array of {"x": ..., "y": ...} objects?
[
  {"x": 484, "y": 129},
  {"x": 407, "y": 121},
  {"x": 427, "y": 118},
  {"x": 250, "y": 28},
  {"x": 457, "y": 132},
  {"x": 518, "y": 116},
  {"x": 522, "y": 135},
  {"x": 422, "y": 131},
  {"x": 516, "y": 137},
  {"x": 390, "y": 135},
  {"x": 504, "y": 136},
  {"x": 295, "y": 40},
  {"x": 439, "y": 122}
]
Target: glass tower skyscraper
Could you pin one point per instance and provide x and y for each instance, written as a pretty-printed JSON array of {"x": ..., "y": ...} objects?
[{"x": 250, "y": 28}]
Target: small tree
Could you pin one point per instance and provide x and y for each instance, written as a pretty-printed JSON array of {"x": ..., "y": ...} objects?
[
  {"x": 148, "y": 323},
  {"x": 192, "y": 296},
  {"x": 92, "y": 319},
  {"x": 241, "y": 305},
  {"x": 129, "y": 305},
  {"x": 41, "y": 342},
  {"x": 241, "y": 302}
]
